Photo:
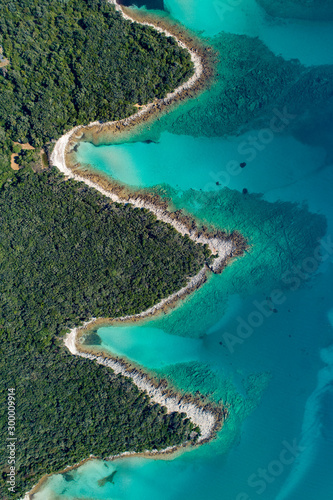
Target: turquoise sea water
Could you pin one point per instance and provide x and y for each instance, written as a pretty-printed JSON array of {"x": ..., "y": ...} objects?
[
  {"x": 258, "y": 337},
  {"x": 187, "y": 162},
  {"x": 291, "y": 38}
]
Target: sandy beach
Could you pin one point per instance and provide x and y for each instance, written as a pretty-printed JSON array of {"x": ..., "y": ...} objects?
[{"x": 202, "y": 74}]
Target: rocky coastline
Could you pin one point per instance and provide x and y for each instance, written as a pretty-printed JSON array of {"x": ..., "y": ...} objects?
[{"x": 206, "y": 416}]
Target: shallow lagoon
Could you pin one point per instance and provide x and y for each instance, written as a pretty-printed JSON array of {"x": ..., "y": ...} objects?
[
  {"x": 278, "y": 380},
  {"x": 199, "y": 163}
]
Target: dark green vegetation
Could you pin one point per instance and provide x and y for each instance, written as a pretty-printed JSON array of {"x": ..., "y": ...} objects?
[
  {"x": 319, "y": 10},
  {"x": 67, "y": 254},
  {"x": 77, "y": 61},
  {"x": 69, "y": 407}
]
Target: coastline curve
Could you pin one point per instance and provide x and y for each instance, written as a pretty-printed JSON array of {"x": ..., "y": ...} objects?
[{"x": 208, "y": 419}]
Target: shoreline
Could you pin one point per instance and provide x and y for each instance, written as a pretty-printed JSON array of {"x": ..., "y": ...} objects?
[
  {"x": 194, "y": 283},
  {"x": 203, "y": 73},
  {"x": 207, "y": 417},
  {"x": 224, "y": 246},
  {"x": 147, "y": 454},
  {"x": 201, "y": 56}
]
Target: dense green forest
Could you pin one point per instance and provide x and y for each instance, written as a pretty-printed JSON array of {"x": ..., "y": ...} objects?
[
  {"x": 77, "y": 61},
  {"x": 69, "y": 407},
  {"x": 67, "y": 254}
]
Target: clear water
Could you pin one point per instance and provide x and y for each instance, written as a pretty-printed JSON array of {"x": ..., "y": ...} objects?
[
  {"x": 266, "y": 354},
  {"x": 289, "y": 38},
  {"x": 187, "y": 162}
]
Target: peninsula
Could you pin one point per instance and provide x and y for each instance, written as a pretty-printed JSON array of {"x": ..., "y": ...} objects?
[{"x": 69, "y": 261}]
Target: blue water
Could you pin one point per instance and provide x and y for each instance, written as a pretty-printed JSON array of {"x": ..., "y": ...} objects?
[
  {"x": 243, "y": 338},
  {"x": 198, "y": 163},
  {"x": 290, "y": 38}
]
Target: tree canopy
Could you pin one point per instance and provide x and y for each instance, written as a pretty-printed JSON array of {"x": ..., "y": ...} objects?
[
  {"x": 67, "y": 254},
  {"x": 77, "y": 61}
]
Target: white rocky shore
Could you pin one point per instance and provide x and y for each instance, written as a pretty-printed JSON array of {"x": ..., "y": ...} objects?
[
  {"x": 204, "y": 419},
  {"x": 223, "y": 247},
  {"x": 200, "y": 417},
  {"x": 194, "y": 57}
]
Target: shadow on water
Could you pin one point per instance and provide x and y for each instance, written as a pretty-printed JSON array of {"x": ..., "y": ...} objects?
[
  {"x": 149, "y": 4},
  {"x": 68, "y": 476},
  {"x": 107, "y": 479},
  {"x": 92, "y": 339}
]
